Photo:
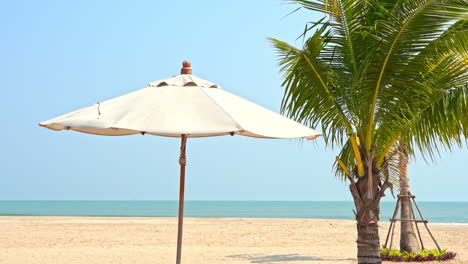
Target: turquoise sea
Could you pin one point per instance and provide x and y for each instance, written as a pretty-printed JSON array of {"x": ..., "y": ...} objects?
[{"x": 435, "y": 212}]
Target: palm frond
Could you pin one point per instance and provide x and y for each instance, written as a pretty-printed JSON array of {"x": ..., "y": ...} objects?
[
  {"x": 311, "y": 92},
  {"x": 440, "y": 126},
  {"x": 443, "y": 69},
  {"x": 383, "y": 73},
  {"x": 411, "y": 27}
]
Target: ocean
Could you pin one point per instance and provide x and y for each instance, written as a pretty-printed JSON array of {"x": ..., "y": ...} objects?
[{"x": 435, "y": 212}]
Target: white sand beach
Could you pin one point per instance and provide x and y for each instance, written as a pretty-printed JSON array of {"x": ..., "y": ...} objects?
[{"x": 89, "y": 240}]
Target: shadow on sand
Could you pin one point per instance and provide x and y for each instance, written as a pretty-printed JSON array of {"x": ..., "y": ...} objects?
[{"x": 256, "y": 258}]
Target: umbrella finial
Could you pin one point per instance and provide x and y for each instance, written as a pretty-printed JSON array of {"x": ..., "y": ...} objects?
[{"x": 187, "y": 67}]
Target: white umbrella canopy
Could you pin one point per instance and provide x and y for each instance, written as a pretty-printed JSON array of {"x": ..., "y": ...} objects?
[
  {"x": 181, "y": 106},
  {"x": 184, "y": 104}
]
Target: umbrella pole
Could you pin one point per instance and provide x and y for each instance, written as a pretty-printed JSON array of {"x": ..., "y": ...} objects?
[{"x": 182, "y": 162}]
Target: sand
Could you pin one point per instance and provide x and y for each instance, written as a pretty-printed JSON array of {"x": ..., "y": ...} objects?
[{"x": 89, "y": 240}]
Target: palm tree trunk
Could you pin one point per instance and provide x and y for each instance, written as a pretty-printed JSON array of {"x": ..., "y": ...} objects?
[
  {"x": 408, "y": 240},
  {"x": 367, "y": 217},
  {"x": 368, "y": 242}
]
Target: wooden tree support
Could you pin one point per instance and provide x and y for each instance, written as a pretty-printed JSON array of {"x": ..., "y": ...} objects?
[{"x": 393, "y": 220}]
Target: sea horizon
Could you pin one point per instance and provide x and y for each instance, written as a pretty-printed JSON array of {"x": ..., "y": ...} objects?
[
  {"x": 455, "y": 212},
  {"x": 223, "y": 200}
]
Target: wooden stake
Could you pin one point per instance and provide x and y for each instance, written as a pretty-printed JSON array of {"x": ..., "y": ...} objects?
[
  {"x": 425, "y": 224},
  {"x": 416, "y": 224},
  {"x": 392, "y": 223},
  {"x": 394, "y": 219}
]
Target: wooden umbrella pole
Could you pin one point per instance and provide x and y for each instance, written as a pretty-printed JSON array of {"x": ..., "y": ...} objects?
[{"x": 182, "y": 162}]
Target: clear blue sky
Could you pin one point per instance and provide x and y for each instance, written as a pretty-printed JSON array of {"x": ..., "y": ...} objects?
[{"x": 58, "y": 56}]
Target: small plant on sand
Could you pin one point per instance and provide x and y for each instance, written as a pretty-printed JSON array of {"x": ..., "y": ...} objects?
[{"x": 424, "y": 255}]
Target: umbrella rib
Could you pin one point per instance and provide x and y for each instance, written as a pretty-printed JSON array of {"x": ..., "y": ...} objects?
[{"x": 216, "y": 103}]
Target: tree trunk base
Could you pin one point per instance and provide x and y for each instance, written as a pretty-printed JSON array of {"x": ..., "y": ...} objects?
[{"x": 368, "y": 243}]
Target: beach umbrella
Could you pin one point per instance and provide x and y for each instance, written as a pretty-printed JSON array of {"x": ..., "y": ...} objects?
[{"x": 183, "y": 106}]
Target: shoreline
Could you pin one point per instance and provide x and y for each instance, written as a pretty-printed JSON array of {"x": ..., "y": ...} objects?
[
  {"x": 440, "y": 212},
  {"x": 220, "y": 217},
  {"x": 208, "y": 240}
]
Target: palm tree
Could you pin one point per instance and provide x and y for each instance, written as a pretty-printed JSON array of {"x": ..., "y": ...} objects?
[
  {"x": 451, "y": 128},
  {"x": 366, "y": 75},
  {"x": 408, "y": 241}
]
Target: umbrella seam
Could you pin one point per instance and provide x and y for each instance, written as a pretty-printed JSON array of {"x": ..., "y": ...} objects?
[{"x": 242, "y": 128}]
